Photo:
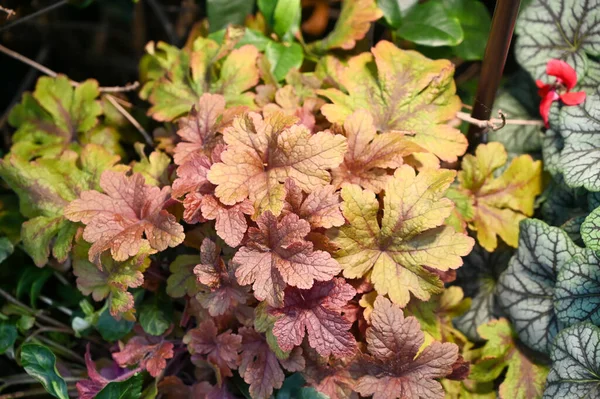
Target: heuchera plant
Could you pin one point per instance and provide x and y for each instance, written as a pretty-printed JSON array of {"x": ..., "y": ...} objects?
[{"x": 307, "y": 223}]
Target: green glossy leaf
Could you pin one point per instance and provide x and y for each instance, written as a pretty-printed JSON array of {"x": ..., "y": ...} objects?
[
  {"x": 431, "y": 24},
  {"x": 525, "y": 289},
  {"x": 475, "y": 22},
  {"x": 111, "y": 329},
  {"x": 31, "y": 283},
  {"x": 565, "y": 29},
  {"x": 286, "y": 19},
  {"x": 6, "y": 248},
  {"x": 227, "y": 12},
  {"x": 394, "y": 9},
  {"x": 575, "y": 371},
  {"x": 8, "y": 335},
  {"x": 156, "y": 314},
  {"x": 40, "y": 363},
  {"x": 283, "y": 58},
  {"x": 128, "y": 389}
]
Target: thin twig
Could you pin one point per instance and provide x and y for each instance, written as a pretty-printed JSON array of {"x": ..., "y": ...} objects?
[
  {"x": 497, "y": 124},
  {"x": 130, "y": 118},
  {"x": 121, "y": 89},
  {"x": 50, "y": 302},
  {"x": 8, "y": 11},
  {"x": 28, "y": 61},
  {"x": 37, "y": 314},
  {"x": 33, "y": 15},
  {"x": 164, "y": 20}
]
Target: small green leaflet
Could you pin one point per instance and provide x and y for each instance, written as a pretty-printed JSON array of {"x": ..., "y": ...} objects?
[
  {"x": 565, "y": 29},
  {"x": 575, "y": 371},
  {"x": 40, "y": 363}
]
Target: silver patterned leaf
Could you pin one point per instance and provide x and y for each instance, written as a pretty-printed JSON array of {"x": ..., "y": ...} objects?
[
  {"x": 564, "y": 29},
  {"x": 575, "y": 372}
]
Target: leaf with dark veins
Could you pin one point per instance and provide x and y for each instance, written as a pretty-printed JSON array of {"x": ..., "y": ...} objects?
[
  {"x": 320, "y": 208},
  {"x": 526, "y": 288}
]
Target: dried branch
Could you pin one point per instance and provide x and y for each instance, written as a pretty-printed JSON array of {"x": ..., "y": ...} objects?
[
  {"x": 34, "y": 15},
  {"x": 130, "y": 118},
  {"x": 496, "y": 124},
  {"x": 8, "y": 11}
]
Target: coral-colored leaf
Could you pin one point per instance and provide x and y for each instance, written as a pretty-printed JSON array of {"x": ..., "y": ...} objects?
[
  {"x": 118, "y": 219},
  {"x": 330, "y": 376},
  {"x": 230, "y": 221},
  {"x": 199, "y": 130},
  {"x": 262, "y": 154},
  {"x": 409, "y": 92},
  {"x": 150, "y": 356},
  {"x": 318, "y": 312},
  {"x": 499, "y": 203},
  {"x": 369, "y": 154},
  {"x": 221, "y": 350},
  {"x": 277, "y": 254},
  {"x": 260, "y": 367},
  {"x": 222, "y": 292},
  {"x": 321, "y": 208},
  {"x": 411, "y": 234},
  {"x": 191, "y": 175},
  {"x": 352, "y": 25},
  {"x": 395, "y": 368}
]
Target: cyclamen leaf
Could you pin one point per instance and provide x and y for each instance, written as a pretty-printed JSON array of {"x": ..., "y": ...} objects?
[
  {"x": 526, "y": 288},
  {"x": 199, "y": 129},
  {"x": 580, "y": 150},
  {"x": 478, "y": 278},
  {"x": 222, "y": 292},
  {"x": 410, "y": 236},
  {"x": 278, "y": 254},
  {"x": 113, "y": 278},
  {"x": 352, "y": 25},
  {"x": 261, "y": 154},
  {"x": 577, "y": 290},
  {"x": 151, "y": 356},
  {"x": 176, "y": 79},
  {"x": 221, "y": 350},
  {"x": 316, "y": 311},
  {"x": 575, "y": 363},
  {"x": 49, "y": 120},
  {"x": 46, "y": 186},
  {"x": 410, "y": 93},
  {"x": 500, "y": 203},
  {"x": 260, "y": 367},
  {"x": 370, "y": 155},
  {"x": 118, "y": 219},
  {"x": 524, "y": 378},
  {"x": 321, "y": 208},
  {"x": 394, "y": 369},
  {"x": 558, "y": 29}
]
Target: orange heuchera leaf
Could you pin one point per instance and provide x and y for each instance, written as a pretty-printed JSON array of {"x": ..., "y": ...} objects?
[
  {"x": 318, "y": 312},
  {"x": 150, "y": 356},
  {"x": 277, "y": 255},
  {"x": 321, "y": 208},
  {"x": 118, "y": 219},
  {"x": 369, "y": 154},
  {"x": 262, "y": 154},
  {"x": 330, "y": 376},
  {"x": 301, "y": 102},
  {"x": 409, "y": 92},
  {"x": 230, "y": 221},
  {"x": 191, "y": 175},
  {"x": 260, "y": 367},
  {"x": 222, "y": 293},
  {"x": 221, "y": 350},
  {"x": 352, "y": 25},
  {"x": 498, "y": 204},
  {"x": 393, "y": 369},
  {"x": 199, "y": 130},
  {"x": 410, "y": 236}
]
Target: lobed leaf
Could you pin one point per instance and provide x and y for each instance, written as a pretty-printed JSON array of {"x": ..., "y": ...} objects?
[{"x": 150, "y": 355}]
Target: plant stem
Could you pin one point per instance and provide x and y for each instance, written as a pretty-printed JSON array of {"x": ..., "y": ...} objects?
[
  {"x": 130, "y": 118},
  {"x": 8, "y": 11},
  {"x": 496, "y": 51},
  {"x": 37, "y": 314},
  {"x": 33, "y": 15},
  {"x": 497, "y": 123}
]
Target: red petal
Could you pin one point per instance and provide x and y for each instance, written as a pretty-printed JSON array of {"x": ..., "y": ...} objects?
[
  {"x": 543, "y": 89},
  {"x": 545, "y": 107},
  {"x": 563, "y": 72},
  {"x": 573, "y": 98}
]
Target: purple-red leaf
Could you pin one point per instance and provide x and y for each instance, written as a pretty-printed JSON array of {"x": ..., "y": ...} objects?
[{"x": 318, "y": 312}]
